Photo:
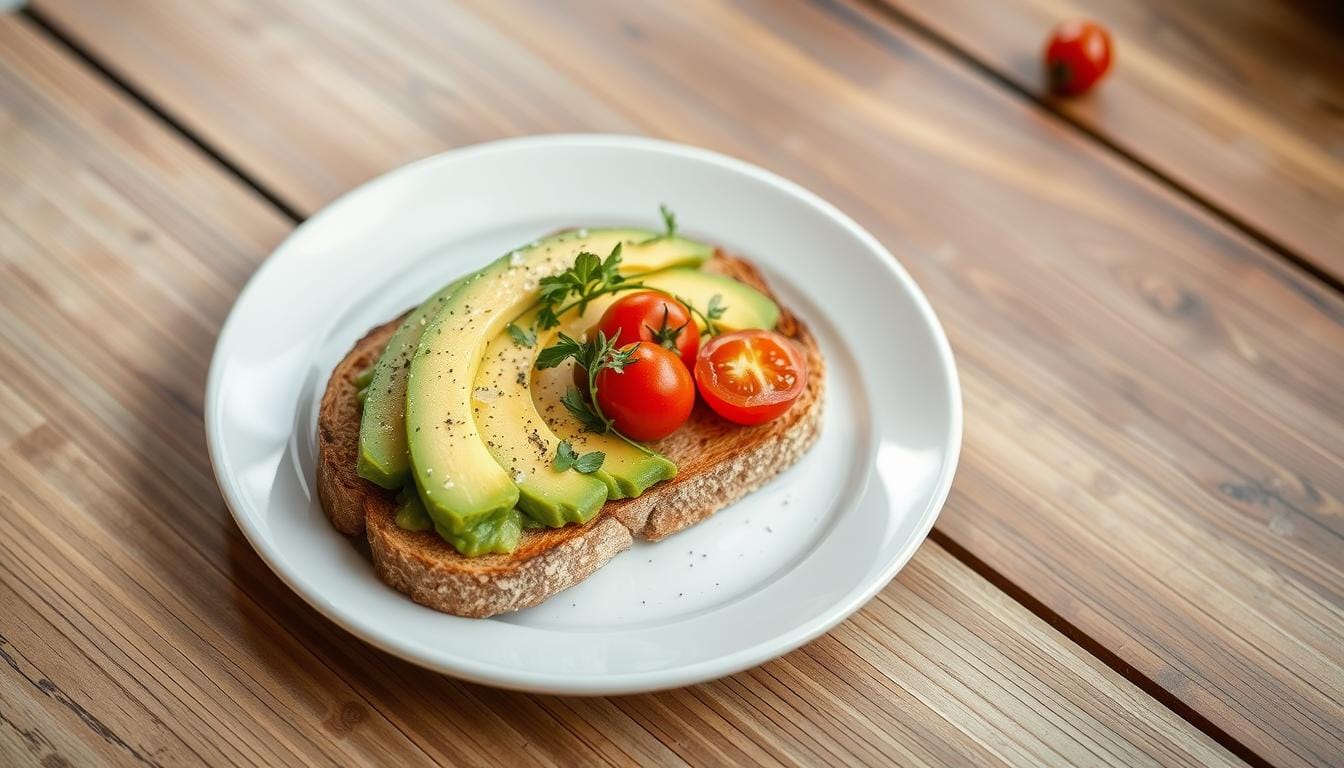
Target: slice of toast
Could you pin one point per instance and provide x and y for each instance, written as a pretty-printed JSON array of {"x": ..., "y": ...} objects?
[{"x": 718, "y": 463}]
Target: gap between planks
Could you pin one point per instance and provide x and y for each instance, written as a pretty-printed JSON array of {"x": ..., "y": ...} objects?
[
  {"x": 840, "y": 9},
  {"x": 848, "y": 15},
  {"x": 1103, "y": 654},
  {"x": 121, "y": 83}
]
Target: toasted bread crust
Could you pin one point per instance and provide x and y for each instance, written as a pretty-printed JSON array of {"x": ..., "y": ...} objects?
[
  {"x": 432, "y": 573},
  {"x": 342, "y": 491},
  {"x": 718, "y": 463}
]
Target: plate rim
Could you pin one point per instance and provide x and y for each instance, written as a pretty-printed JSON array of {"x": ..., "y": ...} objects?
[{"x": 626, "y": 682}]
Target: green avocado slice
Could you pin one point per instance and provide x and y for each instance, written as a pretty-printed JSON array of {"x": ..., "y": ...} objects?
[
  {"x": 383, "y": 456},
  {"x": 520, "y": 440},
  {"x": 744, "y": 307},
  {"x": 496, "y": 535},
  {"x": 626, "y": 471}
]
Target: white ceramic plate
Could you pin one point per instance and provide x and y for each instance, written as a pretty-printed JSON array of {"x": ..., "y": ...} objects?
[{"x": 755, "y": 581}]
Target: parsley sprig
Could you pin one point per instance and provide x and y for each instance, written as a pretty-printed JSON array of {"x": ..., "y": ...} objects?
[
  {"x": 566, "y": 457},
  {"x": 714, "y": 311},
  {"x": 523, "y": 337},
  {"x": 594, "y": 356},
  {"x": 590, "y": 277},
  {"x": 669, "y": 224}
]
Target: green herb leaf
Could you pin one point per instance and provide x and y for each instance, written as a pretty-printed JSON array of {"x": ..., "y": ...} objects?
[
  {"x": 586, "y": 266},
  {"x": 581, "y": 410},
  {"x": 555, "y": 287},
  {"x": 669, "y": 221},
  {"x": 595, "y": 355},
  {"x": 523, "y": 337},
  {"x": 716, "y": 308},
  {"x": 564, "y": 456},
  {"x": 669, "y": 225},
  {"x": 611, "y": 267},
  {"x": 588, "y": 278},
  {"x": 561, "y": 351},
  {"x": 589, "y": 462},
  {"x": 546, "y": 318}
]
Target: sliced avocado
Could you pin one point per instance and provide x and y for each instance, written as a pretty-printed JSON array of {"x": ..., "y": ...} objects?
[
  {"x": 744, "y": 306},
  {"x": 411, "y": 515},
  {"x": 383, "y": 456},
  {"x": 643, "y": 251},
  {"x": 499, "y": 534},
  {"x": 627, "y": 471},
  {"x": 460, "y": 483},
  {"x": 521, "y": 442}
]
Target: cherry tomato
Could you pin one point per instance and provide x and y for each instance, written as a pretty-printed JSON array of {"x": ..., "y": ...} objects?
[
  {"x": 655, "y": 317},
  {"x": 651, "y": 397},
  {"x": 750, "y": 377},
  {"x": 1078, "y": 54}
]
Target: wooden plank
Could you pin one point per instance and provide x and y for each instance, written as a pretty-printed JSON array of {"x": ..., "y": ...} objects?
[
  {"x": 1154, "y": 427},
  {"x": 138, "y": 626},
  {"x": 1242, "y": 103},
  {"x": 405, "y": 95}
]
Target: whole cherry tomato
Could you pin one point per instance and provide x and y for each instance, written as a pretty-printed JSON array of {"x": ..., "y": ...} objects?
[
  {"x": 655, "y": 317},
  {"x": 1076, "y": 57},
  {"x": 650, "y": 397},
  {"x": 750, "y": 377}
]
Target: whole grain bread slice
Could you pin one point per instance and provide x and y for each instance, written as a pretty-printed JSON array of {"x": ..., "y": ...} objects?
[{"x": 717, "y": 462}]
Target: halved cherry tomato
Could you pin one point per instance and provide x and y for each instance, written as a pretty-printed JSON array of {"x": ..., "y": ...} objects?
[
  {"x": 651, "y": 397},
  {"x": 750, "y": 377},
  {"x": 1076, "y": 57},
  {"x": 655, "y": 317}
]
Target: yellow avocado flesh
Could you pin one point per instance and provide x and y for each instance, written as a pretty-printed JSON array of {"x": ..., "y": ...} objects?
[
  {"x": 458, "y": 479},
  {"x": 626, "y": 471},
  {"x": 520, "y": 440}
]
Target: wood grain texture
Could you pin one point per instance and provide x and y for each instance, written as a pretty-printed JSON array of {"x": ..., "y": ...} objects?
[
  {"x": 1242, "y": 103},
  {"x": 1154, "y": 431},
  {"x": 138, "y": 627}
]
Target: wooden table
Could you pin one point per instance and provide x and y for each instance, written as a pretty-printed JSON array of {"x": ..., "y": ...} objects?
[{"x": 1142, "y": 561}]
